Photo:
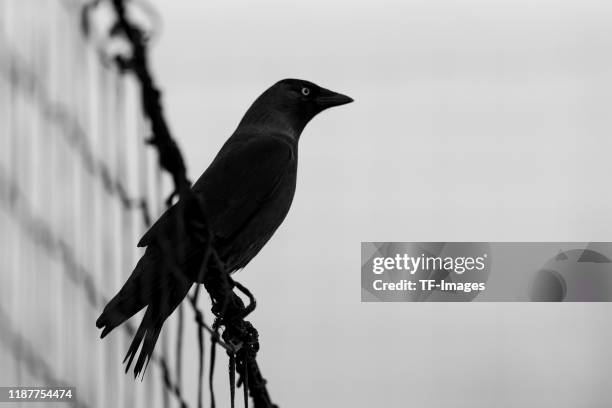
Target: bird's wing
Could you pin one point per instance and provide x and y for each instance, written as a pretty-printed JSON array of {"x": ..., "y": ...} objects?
[{"x": 235, "y": 185}]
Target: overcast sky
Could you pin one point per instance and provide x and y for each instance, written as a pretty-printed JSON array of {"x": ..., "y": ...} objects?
[{"x": 473, "y": 120}]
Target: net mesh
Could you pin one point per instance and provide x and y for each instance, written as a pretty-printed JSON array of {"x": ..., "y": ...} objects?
[{"x": 76, "y": 186}]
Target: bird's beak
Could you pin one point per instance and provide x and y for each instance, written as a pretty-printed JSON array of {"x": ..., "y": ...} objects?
[{"x": 327, "y": 99}]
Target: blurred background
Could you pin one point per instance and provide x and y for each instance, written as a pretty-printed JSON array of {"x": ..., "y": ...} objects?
[{"x": 472, "y": 121}]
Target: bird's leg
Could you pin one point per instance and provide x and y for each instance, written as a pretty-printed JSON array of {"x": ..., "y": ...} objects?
[
  {"x": 252, "y": 302},
  {"x": 227, "y": 286}
]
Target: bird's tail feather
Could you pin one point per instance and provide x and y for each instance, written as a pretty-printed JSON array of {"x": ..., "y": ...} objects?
[
  {"x": 132, "y": 297},
  {"x": 151, "y": 285},
  {"x": 158, "y": 310},
  {"x": 146, "y": 281},
  {"x": 117, "y": 312},
  {"x": 148, "y": 331}
]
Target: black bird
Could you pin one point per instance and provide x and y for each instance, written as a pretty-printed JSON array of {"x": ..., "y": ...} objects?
[{"x": 245, "y": 193}]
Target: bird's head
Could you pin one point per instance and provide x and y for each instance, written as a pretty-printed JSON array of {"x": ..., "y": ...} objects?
[{"x": 292, "y": 103}]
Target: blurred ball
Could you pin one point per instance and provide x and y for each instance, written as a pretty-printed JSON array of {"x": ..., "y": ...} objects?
[{"x": 577, "y": 275}]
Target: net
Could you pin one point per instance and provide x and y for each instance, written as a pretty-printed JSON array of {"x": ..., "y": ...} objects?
[{"x": 76, "y": 185}]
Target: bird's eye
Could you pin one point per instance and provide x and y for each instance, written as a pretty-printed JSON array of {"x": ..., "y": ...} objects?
[{"x": 305, "y": 91}]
